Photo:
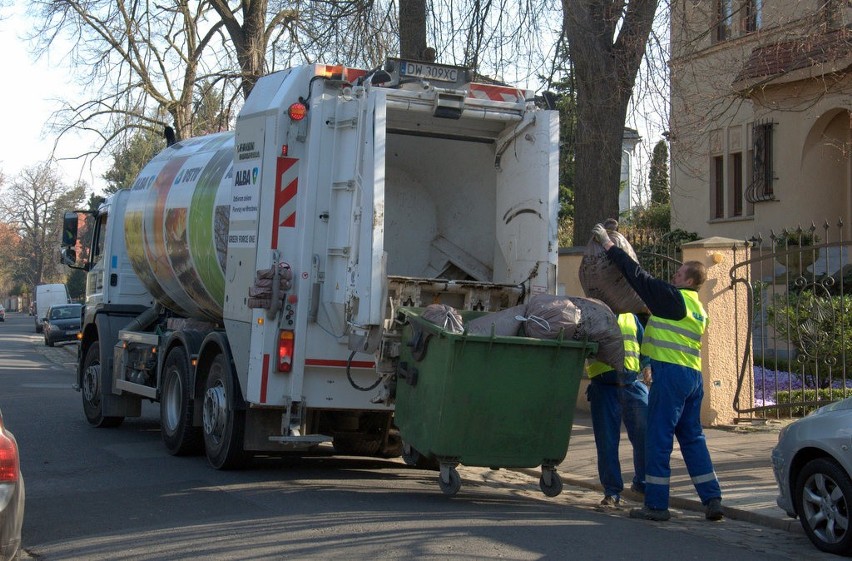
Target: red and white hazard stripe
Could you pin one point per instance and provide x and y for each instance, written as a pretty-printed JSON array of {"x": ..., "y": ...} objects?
[
  {"x": 496, "y": 93},
  {"x": 286, "y": 185}
]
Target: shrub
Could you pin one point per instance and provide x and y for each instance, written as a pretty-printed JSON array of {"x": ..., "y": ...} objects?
[
  {"x": 817, "y": 324},
  {"x": 797, "y": 398}
]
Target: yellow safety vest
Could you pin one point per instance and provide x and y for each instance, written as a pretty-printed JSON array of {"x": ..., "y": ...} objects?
[
  {"x": 677, "y": 342},
  {"x": 627, "y": 325}
]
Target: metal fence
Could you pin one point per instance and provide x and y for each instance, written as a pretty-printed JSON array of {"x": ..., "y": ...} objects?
[
  {"x": 658, "y": 253},
  {"x": 800, "y": 322}
]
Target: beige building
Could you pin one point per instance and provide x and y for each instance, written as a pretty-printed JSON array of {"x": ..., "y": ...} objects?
[{"x": 761, "y": 97}]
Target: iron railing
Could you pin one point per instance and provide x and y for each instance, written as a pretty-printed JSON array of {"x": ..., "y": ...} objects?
[{"x": 800, "y": 322}]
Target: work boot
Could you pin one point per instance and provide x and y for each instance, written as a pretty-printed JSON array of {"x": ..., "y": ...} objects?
[
  {"x": 637, "y": 488},
  {"x": 646, "y": 513},
  {"x": 612, "y": 501},
  {"x": 714, "y": 510}
]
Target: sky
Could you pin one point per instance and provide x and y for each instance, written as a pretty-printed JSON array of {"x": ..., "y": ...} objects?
[{"x": 28, "y": 99}]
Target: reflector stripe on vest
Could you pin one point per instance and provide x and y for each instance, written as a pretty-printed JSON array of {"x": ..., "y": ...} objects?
[
  {"x": 677, "y": 342},
  {"x": 627, "y": 325},
  {"x": 673, "y": 346}
]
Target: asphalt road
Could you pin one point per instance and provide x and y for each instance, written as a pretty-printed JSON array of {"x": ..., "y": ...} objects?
[{"x": 115, "y": 494}]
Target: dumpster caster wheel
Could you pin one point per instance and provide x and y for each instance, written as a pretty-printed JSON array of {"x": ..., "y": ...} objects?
[
  {"x": 550, "y": 483},
  {"x": 412, "y": 457},
  {"x": 449, "y": 480}
]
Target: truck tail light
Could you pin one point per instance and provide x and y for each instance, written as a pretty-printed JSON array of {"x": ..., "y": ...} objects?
[
  {"x": 9, "y": 467},
  {"x": 285, "y": 350},
  {"x": 297, "y": 111}
]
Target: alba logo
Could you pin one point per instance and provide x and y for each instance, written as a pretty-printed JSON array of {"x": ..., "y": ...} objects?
[
  {"x": 245, "y": 177},
  {"x": 697, "y": 316}
]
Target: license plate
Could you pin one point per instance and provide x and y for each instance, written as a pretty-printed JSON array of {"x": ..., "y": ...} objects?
[
  {"x": 430, "y": 71},
  {"x": 71, "y": 332}
]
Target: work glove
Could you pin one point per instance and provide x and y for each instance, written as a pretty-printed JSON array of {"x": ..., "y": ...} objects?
[
  {"x": 600, "y": 234},
  {"x": 647, "y": 376}
]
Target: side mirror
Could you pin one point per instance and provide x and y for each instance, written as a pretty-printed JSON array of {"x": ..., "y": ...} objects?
[{"x": 69, "y": 229}]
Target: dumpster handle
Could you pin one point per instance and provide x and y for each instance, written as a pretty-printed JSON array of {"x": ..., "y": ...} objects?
[
  {"x": 407, "y": 374},
  {"x": 419, "y": 342}
]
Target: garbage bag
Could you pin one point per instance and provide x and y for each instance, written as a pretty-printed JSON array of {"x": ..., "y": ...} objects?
[
  {"x": 548, "y": 315},
  {"x": 598, "y": 323},
  {"x": 444, "y": 316},
  {"x": 505, "y": 322},
  {"x": 602, "y": 280}
]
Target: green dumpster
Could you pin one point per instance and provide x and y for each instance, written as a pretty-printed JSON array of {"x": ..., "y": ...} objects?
[{"x": 486, "y": 400}]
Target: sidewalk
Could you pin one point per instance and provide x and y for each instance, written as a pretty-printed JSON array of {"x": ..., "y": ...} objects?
[{"x": 741, "y": 456}]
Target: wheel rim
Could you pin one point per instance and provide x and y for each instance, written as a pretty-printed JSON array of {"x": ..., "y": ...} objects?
[
  {"x": 825, "y": 508},
  {"x": 215, "y": 412},
  {"x": 91, "y": 378},
  {"x": 172, "y": 397}
]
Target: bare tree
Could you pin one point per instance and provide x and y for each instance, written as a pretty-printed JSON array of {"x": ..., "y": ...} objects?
[
  {"x": 251, "y": 28},
  {"x": 412, "y": 29},
  {"x": 607, "y": 42},
  {"x": 142, "y": 61},
  {"x": 33, "y": 204},
  {"x": 357, "y": 33}
]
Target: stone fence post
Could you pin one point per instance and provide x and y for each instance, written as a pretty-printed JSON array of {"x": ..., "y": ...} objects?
[
  {"x": 727, "y": 331},
  {"x": 726, "y": 335}
]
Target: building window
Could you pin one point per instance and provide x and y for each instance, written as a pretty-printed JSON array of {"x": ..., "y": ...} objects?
[
  {"x": 718, "y": 187},
  {"x": 736, "y": 167},
  {"x": 724, "y": 16},
  {"x": 753, "y": 14},
  {"x": 760, "y": 188}
]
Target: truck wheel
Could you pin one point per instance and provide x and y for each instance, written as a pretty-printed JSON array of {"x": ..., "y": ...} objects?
[
  {"x": 91, "y": 390},
  {"x": 224, "y": 424},
  {"x": 176, "y": 407}
]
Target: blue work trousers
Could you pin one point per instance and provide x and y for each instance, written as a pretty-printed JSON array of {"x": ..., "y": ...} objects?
[
  {"x": 615, "y": 398},
  {"x": 674, "y": 410}
]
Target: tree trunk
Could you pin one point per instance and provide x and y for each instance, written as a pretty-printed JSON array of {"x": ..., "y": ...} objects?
[
  {"x": 253, "y": 52},
  {"x": 597, "y": 174},
  {"x": 412, "y": 29},
  {"x": 606, "y": 48}
]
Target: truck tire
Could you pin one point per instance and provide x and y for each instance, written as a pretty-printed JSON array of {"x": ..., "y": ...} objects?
[
  {"x": 176, "y": 407},
  {"x": 91, "y": 389},
  {"x": 224, "y": 424}
]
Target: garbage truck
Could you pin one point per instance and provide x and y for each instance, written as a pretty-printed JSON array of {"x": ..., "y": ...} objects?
[{"x": 250, "y": 282}]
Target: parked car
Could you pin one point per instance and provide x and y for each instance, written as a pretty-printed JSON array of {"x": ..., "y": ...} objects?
[
  {"x": 61, "y": 323},
  {"x": 2, "y": 313},
  {"x": 11, "y": 495},
  {"x": 813, "y": 467}
]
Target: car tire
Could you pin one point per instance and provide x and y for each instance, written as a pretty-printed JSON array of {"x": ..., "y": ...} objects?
[
  {"x": 47, "y": 340},
  {"x": 823, "y": 499}
]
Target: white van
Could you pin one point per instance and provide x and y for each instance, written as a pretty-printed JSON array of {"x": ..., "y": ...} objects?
[{"x": 46, "y": 295}]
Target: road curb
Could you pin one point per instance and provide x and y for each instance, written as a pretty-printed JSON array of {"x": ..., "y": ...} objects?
[{"x": 792, "y": 525}]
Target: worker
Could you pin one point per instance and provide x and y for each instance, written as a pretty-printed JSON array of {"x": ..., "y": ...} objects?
[
  {"x": 672, "y": 342},
  {"x": 617, "y": 397}
]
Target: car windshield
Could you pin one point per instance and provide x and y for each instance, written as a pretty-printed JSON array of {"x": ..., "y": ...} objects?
[{"x": 65, "y": 312}]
